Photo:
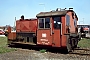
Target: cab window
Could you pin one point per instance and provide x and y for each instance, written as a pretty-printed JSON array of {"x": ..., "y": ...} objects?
[
  {"x": 57, "y": 22},
  {"x": 41, "y": 22},
  {"x": 47, "y": 22},
  {"x": 67, "y": 20},
  {"x": 44, "y": 23},
  {"x": 75, "y": 22}
]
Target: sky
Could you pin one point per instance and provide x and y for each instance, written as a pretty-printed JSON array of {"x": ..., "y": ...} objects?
[{"x": 9, "y": 9}]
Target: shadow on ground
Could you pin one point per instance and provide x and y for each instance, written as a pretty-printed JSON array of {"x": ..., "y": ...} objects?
[
  {"x": 52, "y": 50},
  {"x": 38, "y": 48}
]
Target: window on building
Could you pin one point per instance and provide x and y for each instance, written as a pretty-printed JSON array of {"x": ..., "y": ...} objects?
[
  {"x": 44, "y": 22},
  {"x": 57, "y": 22},
  {"x": 67, "y": 20}
]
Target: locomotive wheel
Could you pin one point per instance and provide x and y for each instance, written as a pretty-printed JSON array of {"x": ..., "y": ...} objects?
[
  {"x": 69, "y": 46},
  {"x": 76, "y": 42},
  {"x": 73, "y": 43}
]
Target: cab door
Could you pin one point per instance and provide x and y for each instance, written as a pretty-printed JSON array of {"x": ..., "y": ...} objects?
[
  {"x": 57, "y": 31},
  {"x": 44, "y": 36}
]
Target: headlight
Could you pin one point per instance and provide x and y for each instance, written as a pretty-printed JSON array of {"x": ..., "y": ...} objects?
[{"x": 82, "y": 33}]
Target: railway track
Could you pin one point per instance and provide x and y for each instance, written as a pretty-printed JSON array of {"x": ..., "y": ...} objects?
[{"x": 34, "y": 54}]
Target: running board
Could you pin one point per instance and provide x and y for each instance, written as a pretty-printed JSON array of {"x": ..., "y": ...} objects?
[{"x": 24, "y": 43}]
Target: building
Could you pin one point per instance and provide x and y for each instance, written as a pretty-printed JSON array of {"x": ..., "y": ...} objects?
[{"x": 86, "y": 27}]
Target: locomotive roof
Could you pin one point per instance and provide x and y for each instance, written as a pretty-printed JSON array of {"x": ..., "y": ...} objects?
[
  {"x": 27, "y": 19},
  {"x": 54, "y": 13}
]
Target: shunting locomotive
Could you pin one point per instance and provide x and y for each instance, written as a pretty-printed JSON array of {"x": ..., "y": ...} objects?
[{"x": 54, "y": 29}]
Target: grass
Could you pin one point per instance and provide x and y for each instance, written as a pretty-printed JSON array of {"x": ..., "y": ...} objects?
[
  {"x": 3, "y": 41},
  {"x": 43, "y": 50},
  {"x": 84, "y": 43},
  {"x": 3, "y": 45}
]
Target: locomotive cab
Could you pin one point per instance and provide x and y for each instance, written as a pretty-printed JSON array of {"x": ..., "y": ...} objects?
[{"x": 49, "y": 30}]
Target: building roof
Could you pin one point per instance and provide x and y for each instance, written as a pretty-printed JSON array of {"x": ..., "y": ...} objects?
[{"x": 83, "y": 24}]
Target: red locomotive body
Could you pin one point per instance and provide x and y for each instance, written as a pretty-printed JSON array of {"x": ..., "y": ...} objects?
[
  {"x": 26, "y": 25},
  {"x": 54, "y": 28}
]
